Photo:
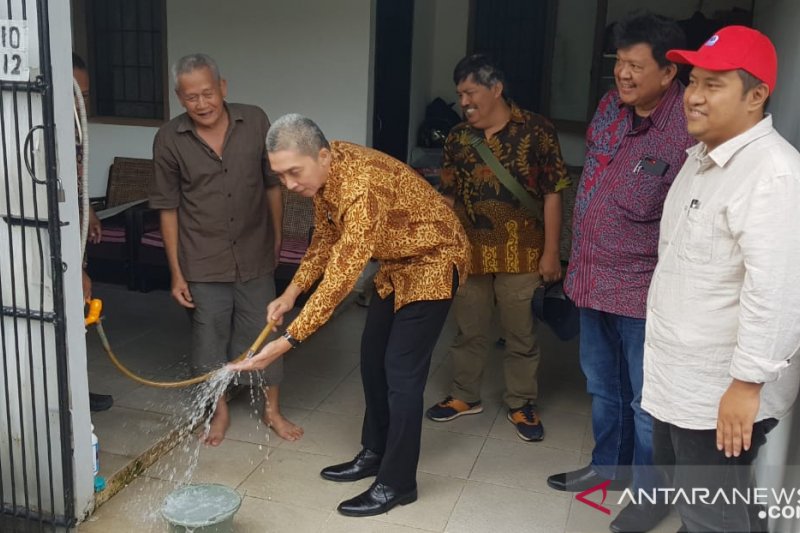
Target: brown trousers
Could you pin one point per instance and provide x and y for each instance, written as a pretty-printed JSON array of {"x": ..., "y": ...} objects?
[{"x": 474, "y": 307}]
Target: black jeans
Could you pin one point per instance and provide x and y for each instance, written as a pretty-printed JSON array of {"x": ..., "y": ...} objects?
[
  {"x": 396, "y": 353},
  {"x": 691, "y": 460}
]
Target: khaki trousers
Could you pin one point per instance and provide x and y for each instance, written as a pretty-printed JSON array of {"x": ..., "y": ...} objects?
[{"x": 474, "y": 307}]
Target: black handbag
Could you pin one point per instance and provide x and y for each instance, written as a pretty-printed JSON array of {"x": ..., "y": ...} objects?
[{"x": 552, "y": 306}]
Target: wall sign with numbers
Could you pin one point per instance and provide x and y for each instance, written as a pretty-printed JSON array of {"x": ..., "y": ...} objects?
[{"x": 14, "y": 50}]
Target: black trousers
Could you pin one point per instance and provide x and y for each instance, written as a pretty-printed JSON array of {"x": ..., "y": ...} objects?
[
  {"x": 691, "y": 460},
  {"x": 395, "y": 357}
]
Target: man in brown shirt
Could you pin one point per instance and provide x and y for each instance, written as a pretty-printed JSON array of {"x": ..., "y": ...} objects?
[
  {"x": 221, "y": 223},
  {"x": 368, "y": 205},
  {"x": 513, "y": 249}
]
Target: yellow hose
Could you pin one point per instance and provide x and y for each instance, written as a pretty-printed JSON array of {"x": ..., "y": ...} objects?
[{"x": 93, "y": 317}]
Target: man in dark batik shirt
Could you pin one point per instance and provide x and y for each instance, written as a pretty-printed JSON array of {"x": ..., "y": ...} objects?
[{"x": 513, "y": 249}]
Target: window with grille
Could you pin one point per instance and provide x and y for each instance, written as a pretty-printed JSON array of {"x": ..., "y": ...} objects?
[{"x": 126, "y": 42}]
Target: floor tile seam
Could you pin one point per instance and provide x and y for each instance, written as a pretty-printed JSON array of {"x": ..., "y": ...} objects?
[
  {"x": 475, "y": 461},
  {"x": 267, "y": 444},
  {"x": 275, "y": 449},
  {"x": 151, "y": 412},
  {"x": 453, "y": 510},
  {"x": 539, "y": 444},
  {"x": 568, "y": 411},
  {"x": 544, "y": 492},
  {"x": 333, "y": 389},
  {"x": 323, "y": 411},
  {"x": 256, "y": 466},
  {"x": 291, "y": 505},
  {"x": 126, "y": 408},
  {"x": 444, "y": 429},
  {"x": 561, "y": 495}
]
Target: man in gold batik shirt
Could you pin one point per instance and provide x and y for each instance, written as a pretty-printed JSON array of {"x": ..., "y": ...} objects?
[
  {"x": 513, "y": 248},
  {"x": 369, "y": 205}
]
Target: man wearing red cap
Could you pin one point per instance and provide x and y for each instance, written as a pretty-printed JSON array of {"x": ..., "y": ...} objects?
[{"x": 723, "y": 320}]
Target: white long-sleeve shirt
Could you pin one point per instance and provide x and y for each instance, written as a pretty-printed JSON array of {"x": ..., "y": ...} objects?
[{"x": 724, "y": 301}]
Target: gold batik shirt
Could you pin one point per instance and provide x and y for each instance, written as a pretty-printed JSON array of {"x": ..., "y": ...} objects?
[
  {"x": 373, "y": 206},
  {"x": 505, "y": 237}
]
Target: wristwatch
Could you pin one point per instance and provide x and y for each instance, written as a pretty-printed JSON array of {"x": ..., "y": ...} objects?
[{"x": 294, "y": 342}]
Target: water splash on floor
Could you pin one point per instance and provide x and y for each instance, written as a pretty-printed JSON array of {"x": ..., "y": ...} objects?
[{"x": 179, "y": 466}]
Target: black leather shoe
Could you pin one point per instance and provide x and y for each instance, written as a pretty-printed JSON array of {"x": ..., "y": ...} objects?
[
  {"x": 377, "y": 499},
  {"x": 582, "y": 479},
  {"x": 638, "y": 518},
  {"x": 365, "y": 464},
  {"x": 100, "y": 402}
]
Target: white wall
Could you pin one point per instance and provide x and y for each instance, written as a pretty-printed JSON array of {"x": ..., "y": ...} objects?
[
  {"x": 779, "y": 19},
  {"x": 439, "y": 42},
  {"x": 107, "y": 141},
  {"x": 421, "y": 65},
  {"x": 572, "y": 60},
  {"x": 305, "y": 56},
  {"x": 449, "y": 45}
]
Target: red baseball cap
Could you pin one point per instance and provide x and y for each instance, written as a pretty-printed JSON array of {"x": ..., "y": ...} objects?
[{"x": 731, "y": 48}]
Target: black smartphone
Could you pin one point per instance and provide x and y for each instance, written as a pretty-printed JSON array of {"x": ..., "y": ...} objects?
[{"x": 653, "y": 166}]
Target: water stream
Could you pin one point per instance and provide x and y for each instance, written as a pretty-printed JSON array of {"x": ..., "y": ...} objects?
[{"x": 180, "y": 465}]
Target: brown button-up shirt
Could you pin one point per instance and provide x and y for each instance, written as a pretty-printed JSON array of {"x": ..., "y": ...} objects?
[
  {"x": 224, "y": 227},
  {"x": 373, "y": 206}
]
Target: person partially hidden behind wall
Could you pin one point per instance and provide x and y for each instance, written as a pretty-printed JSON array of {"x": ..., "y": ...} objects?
[{"x": 97, "y": 402}]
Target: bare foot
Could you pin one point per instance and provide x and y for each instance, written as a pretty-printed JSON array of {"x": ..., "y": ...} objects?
[
  {"x": 282, "y": 426},
  {"x": 218, "y": 426}
]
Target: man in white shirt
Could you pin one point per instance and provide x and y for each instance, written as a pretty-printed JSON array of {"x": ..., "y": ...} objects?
[{"x": 723, "y": 313}]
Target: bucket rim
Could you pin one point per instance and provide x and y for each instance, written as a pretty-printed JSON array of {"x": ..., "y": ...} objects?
[{"x": 218, "y": 518}]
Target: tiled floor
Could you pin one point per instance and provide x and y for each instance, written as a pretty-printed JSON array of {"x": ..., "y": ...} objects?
[{"x": 475, "y": 475}]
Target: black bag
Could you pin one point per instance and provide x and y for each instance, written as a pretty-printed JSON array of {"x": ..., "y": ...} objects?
[
  {"x": 553, "y": 307},
  {"x": 439, "y": 120}
]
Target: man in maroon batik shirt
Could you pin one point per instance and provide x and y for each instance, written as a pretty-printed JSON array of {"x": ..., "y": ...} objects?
[{"x": 636, "y": 143}]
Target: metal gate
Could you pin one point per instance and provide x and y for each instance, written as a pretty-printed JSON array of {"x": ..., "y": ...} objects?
[{"x": 36, "y": 477}]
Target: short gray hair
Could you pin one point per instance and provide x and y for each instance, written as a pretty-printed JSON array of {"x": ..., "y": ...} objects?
[
  {"x": 298, "y": 133},
  {"x": 192, "y": 62}
]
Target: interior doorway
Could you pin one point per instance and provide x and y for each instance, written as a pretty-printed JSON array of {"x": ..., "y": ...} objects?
[{"x": 394, "y": 21}]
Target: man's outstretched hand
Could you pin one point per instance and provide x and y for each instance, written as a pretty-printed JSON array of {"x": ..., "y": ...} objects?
[{"x": 264, "y": 358}]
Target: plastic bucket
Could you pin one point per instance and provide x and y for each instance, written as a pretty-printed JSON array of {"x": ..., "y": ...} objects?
[{"x": 202, "y": 508}]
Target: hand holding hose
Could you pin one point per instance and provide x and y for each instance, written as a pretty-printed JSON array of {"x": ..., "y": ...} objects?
[
  {"x": 264, "y": 358},
  {"x": 277, "y": 308}
]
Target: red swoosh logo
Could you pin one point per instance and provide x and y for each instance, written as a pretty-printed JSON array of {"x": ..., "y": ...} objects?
[{"x": 581, "y": 496}]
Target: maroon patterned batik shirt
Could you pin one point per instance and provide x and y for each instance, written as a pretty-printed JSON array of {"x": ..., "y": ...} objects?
[{"x": 626, "y": 176}]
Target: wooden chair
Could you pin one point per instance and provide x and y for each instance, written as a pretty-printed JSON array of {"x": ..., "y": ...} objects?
[
  {"x": 126, "y": 191},
  {"x": 298, "y": 222}
]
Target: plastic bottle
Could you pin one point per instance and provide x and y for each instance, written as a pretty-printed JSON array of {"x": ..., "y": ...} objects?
[{"x": 95, "y": 454}]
